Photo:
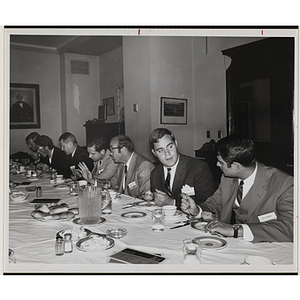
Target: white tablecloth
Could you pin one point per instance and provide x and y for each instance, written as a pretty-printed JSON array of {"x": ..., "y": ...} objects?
[{"x": 33, "y": 242}]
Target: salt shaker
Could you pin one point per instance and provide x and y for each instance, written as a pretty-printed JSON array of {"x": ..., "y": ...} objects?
[
  {"x": 59, "y": 246},
  {"x": 68, "y": 243},
  {"x": 39, "y": 191}
]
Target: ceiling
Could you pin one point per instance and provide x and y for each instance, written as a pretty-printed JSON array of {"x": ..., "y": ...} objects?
[{"x": 88, "y": 45}]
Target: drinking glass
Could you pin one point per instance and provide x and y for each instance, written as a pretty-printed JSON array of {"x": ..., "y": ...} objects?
[
  {"x": 191, "y": 252},
  {"x": 106, "y": 202},
  {"x": 90, "y": 199},
  {"x": 158, "y": 220}
]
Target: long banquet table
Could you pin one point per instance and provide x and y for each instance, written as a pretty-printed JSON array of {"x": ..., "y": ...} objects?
[{"x": 33, "y": 242}]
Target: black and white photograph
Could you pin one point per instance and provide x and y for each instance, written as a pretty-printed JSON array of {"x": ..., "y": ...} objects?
[{"x": 193, "y": 172}]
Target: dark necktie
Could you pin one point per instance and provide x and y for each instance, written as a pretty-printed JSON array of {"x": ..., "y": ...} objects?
[
  {"x": 125, "y": 178},
  {"x": 239, "y": 195},
  {"x": 167, "y": 182}
]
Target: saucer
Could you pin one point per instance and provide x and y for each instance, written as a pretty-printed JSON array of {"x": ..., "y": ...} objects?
[{"x": 78, "y": 222}]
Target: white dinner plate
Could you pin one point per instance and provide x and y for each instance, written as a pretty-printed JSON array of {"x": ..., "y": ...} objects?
[
  {"x": 95, "y": 243},
  {"x": 198, "y": 224},
  {"x": 134, "y": 215},
  {"x": 210, "y": 242},
  {"x": 51, "y": 220},
  {"x": 77, "y": 221}
]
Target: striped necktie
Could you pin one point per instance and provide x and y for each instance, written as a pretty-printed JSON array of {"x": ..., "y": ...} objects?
[
  {"x": 239, "y": 195},
  {"x": 167, "y": 182}
]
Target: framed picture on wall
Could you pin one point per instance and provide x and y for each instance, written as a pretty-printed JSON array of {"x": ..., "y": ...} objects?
[
  {"x": 110, "y": 107},
  {"x": 24, "y": 106},
  {"x": 173, "y": 111}
]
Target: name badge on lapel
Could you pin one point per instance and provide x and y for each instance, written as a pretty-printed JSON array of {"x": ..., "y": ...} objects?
[
  {"x": 132, "y": 185},
  {"x": 267, "y": 217},
  {"x": 186, "y": 189}
]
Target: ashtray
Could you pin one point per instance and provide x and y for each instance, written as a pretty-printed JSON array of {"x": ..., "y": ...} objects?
[{"x": 116, "y": 233}]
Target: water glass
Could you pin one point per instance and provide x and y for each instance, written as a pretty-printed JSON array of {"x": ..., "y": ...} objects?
[
  {"x": 191, "y": 252},
  {"x": 106, "y": 202},
  {"x": 90, "y": 199},
  {"x": 158, "y": 220}
]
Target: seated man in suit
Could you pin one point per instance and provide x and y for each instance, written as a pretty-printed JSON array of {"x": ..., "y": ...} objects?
[
  {"x": 77, "y": 154},
  {"x": 177, "y": 173},
  {"x": 253, "y": 201},
  {"x": 55, "y": 158},
  {"x": 104, "y": 167},
  {"x": 133, "y": 172}
]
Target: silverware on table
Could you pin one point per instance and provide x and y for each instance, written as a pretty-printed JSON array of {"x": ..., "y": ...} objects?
[{"x": 181, "y": 225}]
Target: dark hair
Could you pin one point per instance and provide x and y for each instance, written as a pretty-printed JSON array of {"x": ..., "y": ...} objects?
[
  {"x": 125, "y": 141},
  {"x": 158, "y": 134},
  {"x": 32, "y": 136},
  {"x": 68, "y": 137},
  {"x": 234, "y": 148},
  {"x": 99, "y": 144},
  {"x": 44, "y": 141}
]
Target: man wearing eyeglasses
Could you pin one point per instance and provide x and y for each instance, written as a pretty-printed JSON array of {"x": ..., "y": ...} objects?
[
  {"x": 133, "y": 172},
  {"x": 177, "y": 173}
]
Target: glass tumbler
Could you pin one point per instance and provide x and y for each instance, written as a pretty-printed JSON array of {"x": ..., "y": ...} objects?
[
  {"x": 191, "y": 252},
  {"x": 158, "y": 220},
  {"x": 90, "y": 199}
]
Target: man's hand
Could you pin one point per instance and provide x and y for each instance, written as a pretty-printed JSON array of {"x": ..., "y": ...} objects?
[
  {"x": 188, "y": 205},
  {"x": 161, "y": 198},
  {"x": 219, "y": 227},
  {"x": 85, "y": 172},
  {"x": 35, "y": 156}
]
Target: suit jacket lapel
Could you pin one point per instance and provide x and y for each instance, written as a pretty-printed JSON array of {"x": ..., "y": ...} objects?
[
  {"x": 179, "y": 175},
  {"x": 257, "y": 191},
  {"x": 131, "y": 168}
]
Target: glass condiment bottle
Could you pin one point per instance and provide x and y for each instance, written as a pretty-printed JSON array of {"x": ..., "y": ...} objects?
[
  {"x": 39, "y": 191},
  {"x": 59, "y": 246},
  {"x": 68, "y": 243}
]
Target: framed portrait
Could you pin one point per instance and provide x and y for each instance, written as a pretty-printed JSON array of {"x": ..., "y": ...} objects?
[
  {"x": 24, "y": 106},
  {"x": 173, "y": 111},
  {"x": 110, "y": 107}
]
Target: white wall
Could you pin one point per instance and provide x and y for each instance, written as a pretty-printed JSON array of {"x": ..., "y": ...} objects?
[
  {"x": 82, "y": 95},
  {"x": 111, "y": 75},
  {"x": 182, "y": 67},
  {"x": 42, "y": 68}
]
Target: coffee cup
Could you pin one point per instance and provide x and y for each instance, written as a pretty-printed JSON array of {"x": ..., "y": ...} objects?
[{"x": 169, "y": 210}]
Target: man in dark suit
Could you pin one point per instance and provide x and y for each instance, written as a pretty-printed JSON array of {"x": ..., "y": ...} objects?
[
  {"x": 253, "y": 201},
  {"x": 133, "y": 172},
  {"x": 76, "y": 154},
  {"x": 177, "y": 173},
  {"x": 54, "y": 157},
  {"x": 21, "y": 111}
]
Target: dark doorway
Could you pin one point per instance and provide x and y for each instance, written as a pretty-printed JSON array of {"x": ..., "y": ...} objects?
[{"x": 260, "y": 98}]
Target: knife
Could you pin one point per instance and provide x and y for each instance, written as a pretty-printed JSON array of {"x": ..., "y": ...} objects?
[{"x": 181, "y": 225}]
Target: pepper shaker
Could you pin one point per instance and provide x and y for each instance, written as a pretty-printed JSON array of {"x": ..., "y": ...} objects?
[{"x": 59, "y": 246}]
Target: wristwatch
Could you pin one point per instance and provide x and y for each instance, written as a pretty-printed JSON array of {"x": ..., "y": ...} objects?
[{"x": 236, "y": 228}]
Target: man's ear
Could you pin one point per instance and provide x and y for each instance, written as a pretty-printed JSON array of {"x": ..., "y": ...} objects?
[
  {"x": 103, "y": 151},
  {"x": 176, "y": 143},
  {"x": 236, "y": 165},
  {"x": 152, "y": 150}
]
